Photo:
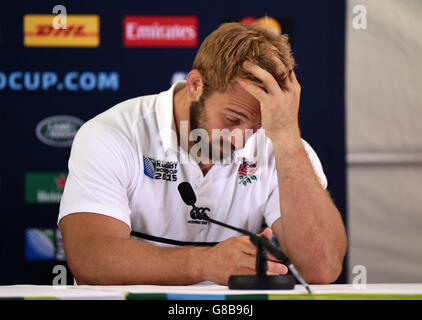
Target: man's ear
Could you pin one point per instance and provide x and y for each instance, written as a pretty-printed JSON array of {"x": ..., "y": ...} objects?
[{"x": 194, "y": 84}]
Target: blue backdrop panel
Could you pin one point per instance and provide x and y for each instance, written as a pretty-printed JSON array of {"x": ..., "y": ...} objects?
[{"x": 37, "y": 83}]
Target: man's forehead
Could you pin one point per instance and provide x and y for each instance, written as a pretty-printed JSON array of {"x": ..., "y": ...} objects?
[{"x": 238, "y": 98}]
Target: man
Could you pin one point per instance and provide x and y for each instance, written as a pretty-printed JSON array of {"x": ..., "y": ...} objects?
[{"x": 127, "y": 162}]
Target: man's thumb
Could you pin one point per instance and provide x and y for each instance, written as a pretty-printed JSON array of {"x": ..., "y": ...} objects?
[{"x": 268, "y": 233}]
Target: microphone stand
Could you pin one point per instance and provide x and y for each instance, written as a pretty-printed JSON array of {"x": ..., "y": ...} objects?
[{"x": 261, "y": 280}]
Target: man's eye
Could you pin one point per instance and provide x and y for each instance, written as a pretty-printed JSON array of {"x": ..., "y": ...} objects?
[{"x": 233, "y": 120}]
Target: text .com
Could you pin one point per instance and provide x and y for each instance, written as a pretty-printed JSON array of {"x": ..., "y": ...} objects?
[{"x": 49, "y": 80}]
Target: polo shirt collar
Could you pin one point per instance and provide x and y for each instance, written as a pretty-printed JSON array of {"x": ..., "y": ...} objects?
[{"x": 165, "y": 117}]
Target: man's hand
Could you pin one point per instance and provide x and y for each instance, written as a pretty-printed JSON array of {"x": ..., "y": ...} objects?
[
  {"x": 236, "y": 256},
  {"x": 279, "y": 108}
]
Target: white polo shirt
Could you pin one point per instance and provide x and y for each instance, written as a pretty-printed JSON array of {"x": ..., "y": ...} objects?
[{"x": 125, "y": 163}]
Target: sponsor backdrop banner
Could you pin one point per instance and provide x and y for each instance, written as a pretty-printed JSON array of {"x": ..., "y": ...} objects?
[{"x": 63, "y": 63}]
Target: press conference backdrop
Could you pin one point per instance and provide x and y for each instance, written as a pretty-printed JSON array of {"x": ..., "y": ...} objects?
[{"x": 53, "y": 80}]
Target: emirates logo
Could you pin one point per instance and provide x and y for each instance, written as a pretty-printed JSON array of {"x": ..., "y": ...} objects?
[{"x": 161, "y": 31}]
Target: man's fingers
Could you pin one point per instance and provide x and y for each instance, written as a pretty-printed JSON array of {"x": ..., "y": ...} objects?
[
  {"x": 248, "y": 256},
  {"x": 272, "y": 267},
  {"x": 276, "y": 268},
  {"x": 294, "y": 80},
  {"x": 268, "y": 233},
  {"x": 267, "y": 79},
  {"x": 247, "y": 247},
  {"x": 246, "y": 271},
  {"x": 292, "y": 76},
  {"x": 249, "y": 261},
  {"x": 254, "y": 90}
]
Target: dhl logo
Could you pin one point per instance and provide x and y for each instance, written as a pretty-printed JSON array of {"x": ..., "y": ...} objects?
[{"x": 80, "y": 31}]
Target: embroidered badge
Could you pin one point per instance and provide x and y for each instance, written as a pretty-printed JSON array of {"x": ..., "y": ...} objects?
[
  {"x": 160, "y": 170},
  {"x": 246, "y": 172},
  {"x": 195, "y": 218}
]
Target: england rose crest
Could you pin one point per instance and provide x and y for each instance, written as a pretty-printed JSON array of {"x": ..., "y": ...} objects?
[{"x": 246, "y": 172}]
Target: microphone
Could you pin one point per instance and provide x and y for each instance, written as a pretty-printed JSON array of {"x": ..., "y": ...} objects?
[
  {"x": 261, "y": 280},
  {"x": 187, "y": 193}
]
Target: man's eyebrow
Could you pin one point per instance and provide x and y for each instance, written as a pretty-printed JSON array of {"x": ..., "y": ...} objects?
[{"x": 238, "y": 113}]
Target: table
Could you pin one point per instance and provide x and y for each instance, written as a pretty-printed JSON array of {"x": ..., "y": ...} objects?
[{"x": 408, "y": 291}]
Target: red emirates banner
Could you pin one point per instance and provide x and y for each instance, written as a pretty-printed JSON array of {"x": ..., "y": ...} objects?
[{"x": 160, "y": 31}]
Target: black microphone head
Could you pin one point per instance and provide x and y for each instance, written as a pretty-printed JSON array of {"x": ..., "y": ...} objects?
[{"x": 187, "y": 193}]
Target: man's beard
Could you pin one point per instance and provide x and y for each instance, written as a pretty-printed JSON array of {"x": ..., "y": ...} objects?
[
  {"x": 196, "y": 114},
  {"x": 198, "y": 120}
]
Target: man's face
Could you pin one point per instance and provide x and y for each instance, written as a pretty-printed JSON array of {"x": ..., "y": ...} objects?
[{"x": 235, "y": 110}]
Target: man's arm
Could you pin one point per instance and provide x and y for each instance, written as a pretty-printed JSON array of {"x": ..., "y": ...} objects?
[
  {"x": 99, "y": 251},
  {"x": 310, "y": 229}
]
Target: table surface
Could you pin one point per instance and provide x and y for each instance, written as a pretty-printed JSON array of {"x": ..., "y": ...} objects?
[{"x": 408, "y": 291}]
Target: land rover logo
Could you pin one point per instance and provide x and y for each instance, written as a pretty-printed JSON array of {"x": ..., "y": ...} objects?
[{"x": 58, "y": 131}]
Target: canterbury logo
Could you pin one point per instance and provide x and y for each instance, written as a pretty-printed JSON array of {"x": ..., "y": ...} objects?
[{"x": 202, "y": 210}]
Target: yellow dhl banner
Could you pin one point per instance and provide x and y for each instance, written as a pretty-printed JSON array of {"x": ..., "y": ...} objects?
[{"x": 81, "y": 31}]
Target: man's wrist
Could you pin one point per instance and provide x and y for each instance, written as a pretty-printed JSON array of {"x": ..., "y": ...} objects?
[
  {"x": 290, "y": 142},
  {"x": 197, "y": 263}
]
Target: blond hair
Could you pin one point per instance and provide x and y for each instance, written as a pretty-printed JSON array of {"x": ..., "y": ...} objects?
[{"x": 220, "y": 56}]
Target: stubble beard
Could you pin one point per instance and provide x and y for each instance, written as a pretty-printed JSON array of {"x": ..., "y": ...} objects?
[{"x": 198, "y": 120}]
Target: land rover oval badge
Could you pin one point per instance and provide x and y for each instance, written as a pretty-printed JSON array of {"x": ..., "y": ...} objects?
[{"x": 59, "y": 130}]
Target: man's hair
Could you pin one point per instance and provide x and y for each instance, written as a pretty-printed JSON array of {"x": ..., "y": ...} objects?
[{"x": 222, "y": 53}]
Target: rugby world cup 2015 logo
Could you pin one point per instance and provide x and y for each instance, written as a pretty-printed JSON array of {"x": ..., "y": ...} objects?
[
  {"x": 246, "y": 172},
  {"x": 160, "y": 170}
]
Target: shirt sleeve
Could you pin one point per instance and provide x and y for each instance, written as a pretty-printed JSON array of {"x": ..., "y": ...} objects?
[
  {"x": 272, "y": 210},
  {"x": 99, "y": 173}
]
